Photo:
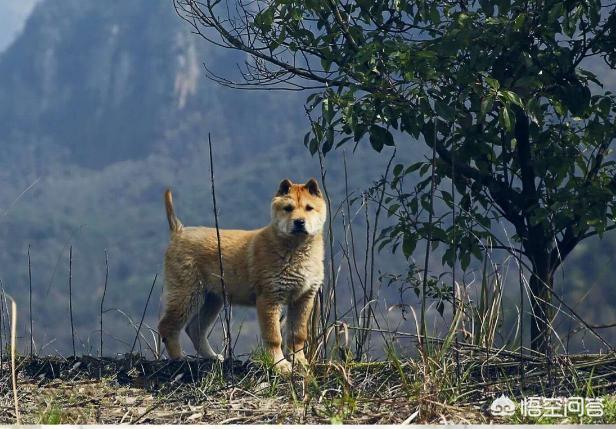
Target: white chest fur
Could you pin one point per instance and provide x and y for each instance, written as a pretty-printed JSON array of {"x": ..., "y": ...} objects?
[{"x": 297, "y": 274}]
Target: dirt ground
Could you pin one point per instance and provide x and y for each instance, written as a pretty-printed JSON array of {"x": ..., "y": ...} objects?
[{"x": 129, "y": 389}]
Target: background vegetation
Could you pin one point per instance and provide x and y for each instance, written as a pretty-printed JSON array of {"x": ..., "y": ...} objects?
[{"x": 102, "y": 107}]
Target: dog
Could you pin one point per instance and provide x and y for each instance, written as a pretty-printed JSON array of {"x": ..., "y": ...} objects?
[{"x": 277, "y": 265}]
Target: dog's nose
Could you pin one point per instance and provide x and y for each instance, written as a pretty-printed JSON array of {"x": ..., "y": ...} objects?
[{"x": 299, "y": 223}]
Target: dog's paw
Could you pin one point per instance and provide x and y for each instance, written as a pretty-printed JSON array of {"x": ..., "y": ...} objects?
[
  {"x": 300, "y": 360},
  {"x": 177, "y": 358},
  {"x": 283, "y": 367},
  {"x": 213, "y": 356}
]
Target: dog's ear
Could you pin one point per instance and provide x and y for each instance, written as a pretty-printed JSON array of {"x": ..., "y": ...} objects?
[
  {"x": 283, "y": 188},
  {"x": 313, "y": 187}
]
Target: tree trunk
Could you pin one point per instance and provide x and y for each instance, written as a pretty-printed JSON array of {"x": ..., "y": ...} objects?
[
  {"x": 541, "y": 283},
  {"x": 537, "y": 242}
]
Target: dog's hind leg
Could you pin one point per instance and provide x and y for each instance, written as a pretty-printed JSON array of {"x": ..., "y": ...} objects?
[
  {"x": 179, "y": 308},
  {"x": 199, "y": 327}
]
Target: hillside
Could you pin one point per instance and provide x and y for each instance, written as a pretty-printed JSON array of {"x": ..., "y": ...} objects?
[
  {"x": 98, "y": 83},
  {"x": 112, "y": 107}
]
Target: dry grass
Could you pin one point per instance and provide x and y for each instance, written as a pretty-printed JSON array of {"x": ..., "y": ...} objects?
[
  {"x": 54, "y": 391},
  {"x": 133, "y": 390}
]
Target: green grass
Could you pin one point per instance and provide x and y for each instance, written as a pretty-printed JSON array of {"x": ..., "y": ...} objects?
[
  {"x": 609, "y": 410},
  {"x": 52, "y": 415}
]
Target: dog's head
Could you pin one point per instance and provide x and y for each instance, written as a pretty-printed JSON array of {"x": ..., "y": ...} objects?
[{"x": 298, "y": 209}]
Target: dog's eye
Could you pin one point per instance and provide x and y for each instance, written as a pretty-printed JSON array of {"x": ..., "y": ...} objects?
[
  {"x": 288, "y": 208},
  {"x": 308, "y": 208}
]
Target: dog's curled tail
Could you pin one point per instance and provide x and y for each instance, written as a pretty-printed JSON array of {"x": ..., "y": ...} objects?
[{"x": 174, "y": 223}]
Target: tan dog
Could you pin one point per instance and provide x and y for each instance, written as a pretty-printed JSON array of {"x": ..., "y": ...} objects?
[{"x": 280, "y": 264}]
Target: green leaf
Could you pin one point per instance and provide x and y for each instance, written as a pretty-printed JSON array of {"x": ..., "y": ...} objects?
[
  {"x": 380, "y": 137},
  {"x": 576, "y": 97},
  {"x": 559, "y": 107},
  {"x": 463, "y": 18},
  {"x": 444, "y": 110},
  {"x": 492, "y": 83},
  {"x": 265, "y": 19},
  {"x": 465, "y": 260},
  {"x": 329, "y": 140},
  {"x": 556, "y": 11},
  {"x": 409, "y": 243},
  {"x": 326, "y": 63},
  {"x": 314, "y": 146},
  {"x": 391, "y": 210},
  {"x": 448, "y": 198},
  {"x": 512, "y": 97},
  {"x": 518, "y": 23},
  {"x": 313, "y": 100},
  {"x": 413, "y": 167},
  {"x": 533, "y": 109},
  {"x": 435, "y": 15},
  {"x": 409, "y": 124},
  {"x": 486, "y": 106},
  {"x": 307, "y": 139},
  {"x": 505, "y": 118}
]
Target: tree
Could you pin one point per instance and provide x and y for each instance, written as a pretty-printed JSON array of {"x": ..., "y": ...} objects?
[{"x": 500, "y": 92}]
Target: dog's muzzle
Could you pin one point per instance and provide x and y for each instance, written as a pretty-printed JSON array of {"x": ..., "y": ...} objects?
[{"x": 299, "y": 227}]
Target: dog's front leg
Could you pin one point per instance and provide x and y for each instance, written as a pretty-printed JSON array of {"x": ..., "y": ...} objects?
[
  {"x": 268, "y": 313},
  {"x": 298, "y": 315}
]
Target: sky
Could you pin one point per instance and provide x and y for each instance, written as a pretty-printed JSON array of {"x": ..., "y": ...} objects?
[{"x": 13, "y": 15}]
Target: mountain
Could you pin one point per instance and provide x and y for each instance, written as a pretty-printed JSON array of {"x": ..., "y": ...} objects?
[
  {"x": 12, "y": 17},
  {"x": 102, "y": 82},
  {"x": 103, "y": 105}
]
